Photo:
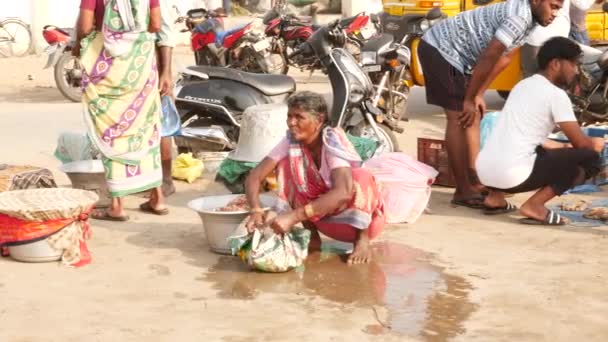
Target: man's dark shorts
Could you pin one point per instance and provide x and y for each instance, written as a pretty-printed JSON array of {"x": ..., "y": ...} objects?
[
  {"x": 559, "y": 169},
  {"x": 445, "y": 85}
]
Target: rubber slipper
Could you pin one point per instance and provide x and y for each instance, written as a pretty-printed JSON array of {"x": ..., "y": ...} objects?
[
  {"x": 147, "y": 208},
  {"x": 104, "y": 216},
  {"x": 552, "y": 219},
  {"x": 508, "y": 208},
  {"x": 470, "y": 202}
]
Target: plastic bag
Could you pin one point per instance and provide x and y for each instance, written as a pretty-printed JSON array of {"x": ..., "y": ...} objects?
[
  {"x": 170, "y": 122},
  {"x": 73, "y": 147},
  {"x": 263, "y": 250},
  {"x": 405, "y": 185},
  {"x": 186, "y": 167},
  {"x": 485, "y": 127}
]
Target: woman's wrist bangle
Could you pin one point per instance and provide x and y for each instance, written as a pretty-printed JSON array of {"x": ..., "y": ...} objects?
[
  {"x": 309, "y": 211},
  {"x": 256, "y": 211}
]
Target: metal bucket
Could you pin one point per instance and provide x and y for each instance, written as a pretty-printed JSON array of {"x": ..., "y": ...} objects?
[
  {"x": 89, "y": 175},
  {"x": 39, "y": 251},
  {"x": 218, "y": 225}
]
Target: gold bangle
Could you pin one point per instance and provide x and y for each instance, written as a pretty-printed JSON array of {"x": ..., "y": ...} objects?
[
  {"x": 256, "y": 211},
  {"x": 309, "y": 211}
]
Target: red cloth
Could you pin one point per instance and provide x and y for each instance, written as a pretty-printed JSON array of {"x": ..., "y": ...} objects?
[
  {"x": 16, "y": 230},
  {"x": 97, "y": 6}
]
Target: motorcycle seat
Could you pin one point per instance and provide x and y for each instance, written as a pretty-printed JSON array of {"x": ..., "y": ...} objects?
[
  {"x": 268, "y": 84},
  {"x": 221, "y": 35},
  {"x": 347, "y": 21},
  {"x": 379, "y": 43},
  {"x": 67, "y": 31}
]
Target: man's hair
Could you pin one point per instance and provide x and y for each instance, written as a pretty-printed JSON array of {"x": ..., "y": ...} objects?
[
  {"x": 558, "y": 48},
  {"x": 308, "y": 101}
]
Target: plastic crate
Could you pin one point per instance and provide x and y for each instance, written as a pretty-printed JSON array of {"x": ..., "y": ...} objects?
[{"x": 433, "y": 153}]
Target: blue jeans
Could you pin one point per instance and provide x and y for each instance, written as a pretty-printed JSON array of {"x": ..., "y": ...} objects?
[{"x": 579, "y": 36}]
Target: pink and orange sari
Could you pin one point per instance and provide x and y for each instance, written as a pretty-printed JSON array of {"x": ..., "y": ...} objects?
[{"x": 300, "y": 183}]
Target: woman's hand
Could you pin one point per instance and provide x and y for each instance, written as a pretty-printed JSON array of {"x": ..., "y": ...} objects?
[
  {"x": 283, "y": 223},
  {"x": 256, "y": 220}
]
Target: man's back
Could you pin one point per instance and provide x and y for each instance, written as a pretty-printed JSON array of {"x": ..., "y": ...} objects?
[
  {"x": 461, "y": 39},
  {"x": 530, "y": 114}
]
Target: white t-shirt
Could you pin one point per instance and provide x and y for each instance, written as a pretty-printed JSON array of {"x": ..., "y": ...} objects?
[
  {"x": 534, "y": 107},
  {"x": 560, "y": 27}
]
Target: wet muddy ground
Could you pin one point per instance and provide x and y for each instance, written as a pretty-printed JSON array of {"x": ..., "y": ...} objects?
[{"x": 408, "y": 295}]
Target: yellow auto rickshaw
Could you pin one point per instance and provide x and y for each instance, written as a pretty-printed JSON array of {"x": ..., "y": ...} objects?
[{"x": 597, "y": 26}]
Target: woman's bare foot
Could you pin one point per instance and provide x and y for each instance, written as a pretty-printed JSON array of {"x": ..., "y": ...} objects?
[{"x": 362, "y": 252}]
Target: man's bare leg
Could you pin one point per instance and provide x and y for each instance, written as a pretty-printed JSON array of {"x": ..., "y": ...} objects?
[
  {"x": 166, "y": 160},
  {"x": 473, "y": 139},
  {"x": 456, "y": 144}
]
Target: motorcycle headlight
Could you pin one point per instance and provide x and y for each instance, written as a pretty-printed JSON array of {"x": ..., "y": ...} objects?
[
  {"x": 368, "y": 57},
  {"x": 356, "y": 93},
  {"x": 424, "y": 25}
]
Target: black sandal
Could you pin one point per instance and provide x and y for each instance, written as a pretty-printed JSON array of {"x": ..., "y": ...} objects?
[
  {"x": 507, "y": 208},
  {"x": 552, "y": 219},
  {"x": 474, "y": 202}
]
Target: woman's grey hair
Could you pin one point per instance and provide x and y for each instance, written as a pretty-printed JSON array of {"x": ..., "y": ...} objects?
[{"x": 309, "y": 101}]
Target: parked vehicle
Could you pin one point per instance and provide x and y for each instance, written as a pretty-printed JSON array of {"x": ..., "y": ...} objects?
[
  {"x": 239, "y": 47},
  {"x": 214, "y": 98},
  {"x": 387, "y": 59},
  {"x": 15, "y": 38},
  {"x": 353, "y": 107},
  {"x": 67, "y": 69},
  {"x": 289, "y": 31},
  {"x": 589, "y": 94}
]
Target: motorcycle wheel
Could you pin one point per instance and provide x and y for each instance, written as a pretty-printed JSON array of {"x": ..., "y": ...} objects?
[
  {"x": 204, "y": 57},
  {"x": 364, "y": 130},
  {"x": 67, "y": 82}
]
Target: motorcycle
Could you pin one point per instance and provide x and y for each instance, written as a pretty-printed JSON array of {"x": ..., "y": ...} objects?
[
  {"x": 589, "y": 93},
  {"x": 391, "y": 60},
  {"x": 239, "y": 48},
  {"x": 353, "y": 107},
  {"x": 67, "y": 69},
  {"x": 288, "y": 31},
  {"x": 211, "y": 101}
]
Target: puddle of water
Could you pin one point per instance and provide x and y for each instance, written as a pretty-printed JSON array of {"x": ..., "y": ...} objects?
[{"x": 406, "y": 294}]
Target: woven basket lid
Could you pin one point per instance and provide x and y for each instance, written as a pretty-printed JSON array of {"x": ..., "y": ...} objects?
[{"x": 46, "y": 204}]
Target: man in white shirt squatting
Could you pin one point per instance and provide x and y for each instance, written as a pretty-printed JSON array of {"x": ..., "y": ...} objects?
[{"x": 518, "y": 157}]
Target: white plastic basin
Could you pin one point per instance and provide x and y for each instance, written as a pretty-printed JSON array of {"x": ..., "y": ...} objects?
[
  {"x": 39, "y": 251},
  {"x": 219, "y": 225}
]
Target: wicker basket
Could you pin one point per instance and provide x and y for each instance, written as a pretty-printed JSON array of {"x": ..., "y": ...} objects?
[{"x": 46, "y": 204}]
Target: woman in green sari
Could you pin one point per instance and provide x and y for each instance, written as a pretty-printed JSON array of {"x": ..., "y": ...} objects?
[{"x": 121, "y": 98}]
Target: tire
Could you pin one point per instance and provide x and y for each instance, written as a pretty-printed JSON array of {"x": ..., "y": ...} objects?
[
  {"x": 17, "y": 33},
  {"x": 70, "y": 88},
  {"x": 204, "y": 57},
  {"x": 503, "y": 93},
  {"x": 364, "y": 130}
]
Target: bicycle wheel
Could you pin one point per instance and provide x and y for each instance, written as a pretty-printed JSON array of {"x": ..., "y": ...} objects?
[{"x": 15, "y": 38}]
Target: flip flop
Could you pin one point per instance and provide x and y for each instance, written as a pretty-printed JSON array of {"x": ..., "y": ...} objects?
[
  {"x": 104, "y": 216},
  {"x": 147, "y": 208},
  {"x": 507, "y": 208},
  {"x": 469, "y": 202},
  {"x": 552, "y": 219}
]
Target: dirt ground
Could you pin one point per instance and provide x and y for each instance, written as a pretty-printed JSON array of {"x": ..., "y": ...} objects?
[{"x": 154, "y": 278}]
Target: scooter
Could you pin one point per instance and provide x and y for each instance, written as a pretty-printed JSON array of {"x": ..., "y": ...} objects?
[
  {"x": 353, "y": 105},
  {"x": 211, "y": 101},
  {"x": 67, "y": 69}
]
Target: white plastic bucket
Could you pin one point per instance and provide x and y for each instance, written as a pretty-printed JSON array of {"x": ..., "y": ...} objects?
[
  {"x": 39, "y": 251},
  {"x": 218, "y": 225},
  {"x": 89, "y": 175}
]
